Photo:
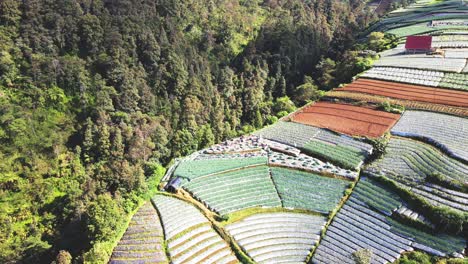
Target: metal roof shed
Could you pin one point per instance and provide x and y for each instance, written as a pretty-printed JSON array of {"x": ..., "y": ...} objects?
[{"x": 418, "y": 43}]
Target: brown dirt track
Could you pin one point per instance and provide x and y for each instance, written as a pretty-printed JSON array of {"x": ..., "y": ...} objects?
[
  {"x": 408, "y": 92},
  {"x": 347, "y": 119}
]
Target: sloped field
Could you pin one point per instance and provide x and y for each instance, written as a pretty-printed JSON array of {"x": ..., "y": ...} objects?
[
  {"x": 363, "y": 223},
  {"x": 189, "y": 235},
  {"x": 143, "y": 239},
  {"x": 408, "y": 92},
  {"x": 302, "y": 190},
  {"x": 250, "y": 187},
  {"x": 348, "y": 119},
  {"x": 411, "y": 161},
  {"x": 448, "y": 132},
  {"x": 278, "y": 237}
]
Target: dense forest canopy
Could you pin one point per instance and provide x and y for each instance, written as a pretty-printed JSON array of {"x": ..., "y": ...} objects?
[{"x": 96, "y": 96}]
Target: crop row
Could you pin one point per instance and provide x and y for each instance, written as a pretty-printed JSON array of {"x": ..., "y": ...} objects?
[
  {"x": 405, "y": 75},
  {"x": 298, "y": 135},
  {"x": 361, "y": 97},
  {"x": 304, "y": 190},
  {"x": 414, "y": 161},
  {"x": 232, "y": 191},
  {"x": 408, "y": 92},
  {"x": 305, "y": 162},
  {"x": 343, "y": 156},
  {"x": 192, "y": 169},
  {"x": 190, "y": 238},
  {"x": 347, "y": 119},
  {"x": 355, "y": 228},
  {"x": 422, "y": 62},
  {"x": 439, "y": 197},
  {"x": 446, "y": 131},
  {"x": 361, "y": 225},
  {"x": 454, "y": 81},
  {"x": 377, "y": 196},
  {"x": 143, "y": 239},
  {"x": 270, "y": 237}
]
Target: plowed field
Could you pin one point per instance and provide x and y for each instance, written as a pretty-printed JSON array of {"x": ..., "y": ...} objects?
[
  {"x": 347, "y": 119},
  {"x": 408, "y": 92}
]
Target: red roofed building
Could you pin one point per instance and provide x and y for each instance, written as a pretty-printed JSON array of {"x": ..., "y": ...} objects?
[{"x": 418, "y": 43}]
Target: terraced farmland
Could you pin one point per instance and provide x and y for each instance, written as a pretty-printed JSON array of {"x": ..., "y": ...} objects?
[
  {"x": 398, "y": 58},
  {"x": 302, "y": 190},
  {"x": 455, "y": 81},
  {"x": 357, "y": 227},
  {"x": 189, "y": 235},
  {"x": 408, "y": 92},
  {"x": 250, "y": 187},
  {"x": 192, "y": 169},
  {"x": 446, "y": 80},
  {"x": 447, "y": 132},
  {"x": 410, "y": 161},
  {"x": 320, "y": 143},
  {"x": 405, "y": 75},
  {"x": 298, "y": 134},
  {"x": 277, "y": 237},
  {"x": 344, "y": 156},
  {"x": 347, "y": 119},
  {"x": 266, "y": 197},
  {"x": 450, "y": 41},
  {"x": 142, "y": 241},
  {"x": 307, "y": 163},
  {"x": 362, "y": 224},
  {"x": 376, "y": 99},
  {"x": 440, "y": 196}
]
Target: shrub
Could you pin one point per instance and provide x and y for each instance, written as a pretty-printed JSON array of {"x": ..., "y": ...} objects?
[
  {"x": 63, "y": 257},
  {"x": 103, "y": 217},
  {"x": 362, "y": 256},
  {"x": 414, "y": 257}
]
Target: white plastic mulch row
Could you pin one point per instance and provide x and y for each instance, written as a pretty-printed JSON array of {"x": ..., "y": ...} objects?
[
  {"x": 277, "y": 237},
  {"x": 412, "y": 76},
  {"x": 355, "y": 227},
  {"x": 190, "y": 236},
  {"x": 298, "y": 135},
  {"x": 447, "y": 131}
]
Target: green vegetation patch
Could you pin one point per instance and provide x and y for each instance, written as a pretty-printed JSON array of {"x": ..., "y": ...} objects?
[
  {"x": 441, "y": 242},
  {"x": 343, "y": 156},
  {"x": 196, "y": 168},
  {"x": 303, "y": 190}
]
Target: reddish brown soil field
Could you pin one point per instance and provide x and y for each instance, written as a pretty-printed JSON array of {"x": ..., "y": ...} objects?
[
  {"x": 408, "y": 92},
  {"x": 347, "y": 119}
]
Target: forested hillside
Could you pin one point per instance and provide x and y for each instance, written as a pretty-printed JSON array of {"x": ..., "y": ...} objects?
[{"x": 98, "y": 96}]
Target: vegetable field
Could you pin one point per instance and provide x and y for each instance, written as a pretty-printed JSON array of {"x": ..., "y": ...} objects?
[
  {"x": 304, "y": 190},
  {"x": 347, "y": 119},
  {"x": 143, "y": 239},
  {"x": 455, "y": 81},
  {"x": 404, "y": 75},
  {"x": 411, "y": 162},
  {"x": 250, "y": 187},
  {"x": 370, "y": 98},
  {"x": 364, "y": 222},
  {"x": 307, "y": 163},
  {"x": 408, "y": 92},
  {"x": 344, "y": 156},
  {"x": 398, "y": 58},
  {"x": 277, "y": 237},
  {"x": 192, "y": 169},
  {"x": 440, "y": 196},
  {"x": 445, "y": 131},
  {"x": 189, "y": 235}
]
